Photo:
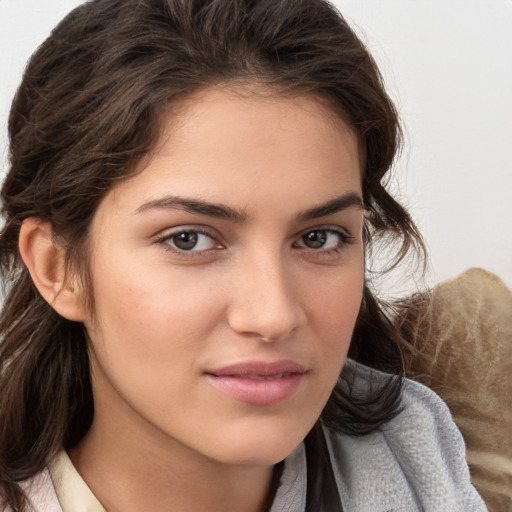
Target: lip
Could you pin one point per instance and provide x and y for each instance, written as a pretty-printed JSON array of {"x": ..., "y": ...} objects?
[{"x": 258, "y": 382}]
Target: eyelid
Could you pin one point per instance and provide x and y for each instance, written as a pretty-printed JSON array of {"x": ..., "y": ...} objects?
[
  {"x": 345, "y": 239},
  {"x": 343, "y": 232},
  {"x": 164, "y": 236}
]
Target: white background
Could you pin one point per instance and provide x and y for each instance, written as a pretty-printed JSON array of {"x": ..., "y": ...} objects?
[{"x": 448, "y": 66}]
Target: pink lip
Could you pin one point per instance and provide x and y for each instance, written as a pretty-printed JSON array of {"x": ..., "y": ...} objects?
[{"x": 258, "y": 383}]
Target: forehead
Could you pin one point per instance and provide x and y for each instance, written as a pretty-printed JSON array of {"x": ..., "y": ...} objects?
[
  {"x": 223, "y": 144},
  {"x": 238, "y": 111}
]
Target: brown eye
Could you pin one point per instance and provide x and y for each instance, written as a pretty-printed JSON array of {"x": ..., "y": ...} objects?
[
  {"x": 185, "y": 241},
  {"x": 324, "y": 240},
  {"x": 189, "y": 241},
  {"x": 315, "y": 239}
]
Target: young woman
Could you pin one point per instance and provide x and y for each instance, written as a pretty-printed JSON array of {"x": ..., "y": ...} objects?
[{"x": 194, "y": 191}]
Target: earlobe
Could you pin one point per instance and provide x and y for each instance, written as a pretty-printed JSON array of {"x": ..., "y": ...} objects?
[{"x": 45, "y": 261}]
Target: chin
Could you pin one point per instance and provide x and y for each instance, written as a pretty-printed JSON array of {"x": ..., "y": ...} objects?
[
  {"x": 262, "y": 449},
  {"x": 263, "y": 456}
]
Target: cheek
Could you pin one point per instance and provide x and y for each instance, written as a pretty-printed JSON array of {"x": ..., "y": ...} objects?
[
  {"x": 148, "y": 337},
  {"x": 151, "y": 314},
  {"x": 332, "y": 311},
  {"x": 335, "y": 305}
]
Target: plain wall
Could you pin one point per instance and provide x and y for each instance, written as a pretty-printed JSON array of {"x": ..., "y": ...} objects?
[{"x": 448, "y": 66}]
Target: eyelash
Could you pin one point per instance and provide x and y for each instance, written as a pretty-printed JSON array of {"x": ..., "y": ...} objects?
[
  {"x": 167, "y": 239},
  {"x": 344, "y": 237}
]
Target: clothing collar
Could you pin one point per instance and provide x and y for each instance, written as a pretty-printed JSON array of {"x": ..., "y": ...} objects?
[
  {"x": 75, "y": 496},
  {"x": 71, "y": 490}
]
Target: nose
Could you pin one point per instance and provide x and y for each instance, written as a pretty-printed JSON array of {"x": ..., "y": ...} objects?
[{"x": 265, "y": 303}]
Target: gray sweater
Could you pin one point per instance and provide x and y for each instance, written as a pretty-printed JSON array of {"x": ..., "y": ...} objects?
[{"x": 415, "y": 463}]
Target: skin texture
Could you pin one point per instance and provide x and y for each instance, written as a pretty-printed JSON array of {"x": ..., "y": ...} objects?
[{"x": 163, "y": 436}]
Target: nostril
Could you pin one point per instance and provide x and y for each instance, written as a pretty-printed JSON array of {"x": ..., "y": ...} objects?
[
  {"x": 269, "y": 325},
  {"x": 264, "y": 303}
]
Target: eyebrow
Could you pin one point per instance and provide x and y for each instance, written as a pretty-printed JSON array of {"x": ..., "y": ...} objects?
[
  {"x": 195, "y": 206},
  {"x": 198, "y": 206},
  {"x": 338, "y": 204}
]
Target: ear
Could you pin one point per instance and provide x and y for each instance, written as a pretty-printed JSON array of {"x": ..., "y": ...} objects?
[{"x": 45, "y": 261}]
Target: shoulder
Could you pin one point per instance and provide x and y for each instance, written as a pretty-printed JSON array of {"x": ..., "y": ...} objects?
[
  {"x": 41, "y": 493},
  {"x": 415, "y": 462}
]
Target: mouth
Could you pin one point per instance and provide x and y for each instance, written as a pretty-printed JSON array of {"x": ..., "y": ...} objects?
[
  {"x": 260, "y": 377},
  {"x": 258, "y": 383}
]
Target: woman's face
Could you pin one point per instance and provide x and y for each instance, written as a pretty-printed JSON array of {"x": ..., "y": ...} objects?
[{"x": 227, "y": 277}]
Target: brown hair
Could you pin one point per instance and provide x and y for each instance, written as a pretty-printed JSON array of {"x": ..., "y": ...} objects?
[{"x": 87, "y": 111}]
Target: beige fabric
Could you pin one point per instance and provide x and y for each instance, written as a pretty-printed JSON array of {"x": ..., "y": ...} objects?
[
  {"x": 464, "y": 336},
  {"x": 71, "y": 490}
]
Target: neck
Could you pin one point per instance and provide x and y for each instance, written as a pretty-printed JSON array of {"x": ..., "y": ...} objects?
[{"x": 136, "y": 472}]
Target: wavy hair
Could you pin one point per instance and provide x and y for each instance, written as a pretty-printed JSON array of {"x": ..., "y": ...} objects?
[{"x": 88, "y": 110}]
